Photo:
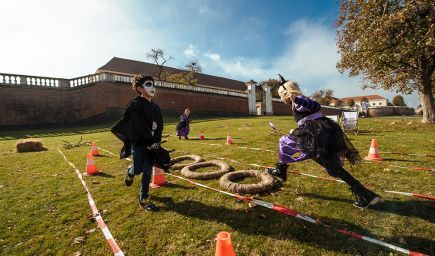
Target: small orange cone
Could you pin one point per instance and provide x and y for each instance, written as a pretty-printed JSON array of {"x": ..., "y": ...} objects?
[
  {"x": 229, "y": 139},
  {"x": 94, "y": 149},
  {"x": 158, "y": 178},
  {"x": 224, "y": 247},
  {"x": 373, "y": 152},
  {"x": 91, "y": 168},
  {"x": 202, "y": 137}
]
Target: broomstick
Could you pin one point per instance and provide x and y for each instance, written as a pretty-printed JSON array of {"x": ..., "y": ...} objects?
[{"x": 275, "y": 130}]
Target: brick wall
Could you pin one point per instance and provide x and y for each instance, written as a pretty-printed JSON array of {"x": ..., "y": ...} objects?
[
  {"x": 34, "y": 106},
  {"x": 391, "y": 111},
  {"x": 279, "y": 108}
]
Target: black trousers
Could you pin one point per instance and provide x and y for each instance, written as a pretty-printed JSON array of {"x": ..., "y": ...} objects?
[{"x": 332, "y": 164}]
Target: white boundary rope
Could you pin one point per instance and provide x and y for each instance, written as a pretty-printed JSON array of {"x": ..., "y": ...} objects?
[
  {"x": 112, "y": 243},
  {"x": 289, "y": 212}
]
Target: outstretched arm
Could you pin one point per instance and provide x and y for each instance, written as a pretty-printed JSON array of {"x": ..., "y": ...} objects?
[{"x": 306, "y": 104}]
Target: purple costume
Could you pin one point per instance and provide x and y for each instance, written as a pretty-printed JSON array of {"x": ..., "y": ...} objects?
[
  {"x": 183, "y": 127},
  {"x": 321, "y": 139},
  {"x": 317, "y": 138}
]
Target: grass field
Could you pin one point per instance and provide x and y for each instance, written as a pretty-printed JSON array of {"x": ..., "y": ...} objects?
[{"x": 43, "y": 205}]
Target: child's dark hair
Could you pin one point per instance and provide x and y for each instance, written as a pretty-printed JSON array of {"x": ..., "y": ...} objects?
[{"x": 138, "y": 80}]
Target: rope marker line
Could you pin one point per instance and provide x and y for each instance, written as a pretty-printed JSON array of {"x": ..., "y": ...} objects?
[
  {"x": 411, "y": 194},
  {"x": 290, "y": 212},
  {"x": 329, "y": 179},
  {"x": 408, "y": 154},
  {"x": 101, "y": 224},
  {"x": 403, "y": 167}
]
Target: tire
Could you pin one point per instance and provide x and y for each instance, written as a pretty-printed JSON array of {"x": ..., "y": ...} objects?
[
  {"x": 267, "y": 182},
  {"x": 188, "y": 171},
  {"x": 195, "y": 158}
]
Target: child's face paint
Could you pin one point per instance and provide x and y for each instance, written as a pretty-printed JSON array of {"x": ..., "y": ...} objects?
[{"x": 149, "y": 88}]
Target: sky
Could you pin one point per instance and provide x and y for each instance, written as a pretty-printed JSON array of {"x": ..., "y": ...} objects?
[{"x": 237, "y": 39}]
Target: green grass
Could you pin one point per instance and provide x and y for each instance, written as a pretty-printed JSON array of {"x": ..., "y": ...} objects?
[{"x": 43, "y": 205}]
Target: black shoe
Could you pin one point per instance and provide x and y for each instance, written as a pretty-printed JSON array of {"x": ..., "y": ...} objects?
[
  {"x": 186, "y": 137},
  {"x": 148, "y": 206},
  {"x": 279, "y": 171},
  {"x": 128, "y": 178},
  {"x": 365, "y": 198}
]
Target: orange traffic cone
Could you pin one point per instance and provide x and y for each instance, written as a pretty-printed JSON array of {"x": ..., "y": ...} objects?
[
  {"x": 158, "y": 178},
  {"x": 91, "y": 168},
  {"x": 224, "y": 247},
  {"x": 373, "y": 152},
  {"x": 94, "y": 149},
  {"x": 229, "y": 139},
  {"x": 202, "y": 137}
]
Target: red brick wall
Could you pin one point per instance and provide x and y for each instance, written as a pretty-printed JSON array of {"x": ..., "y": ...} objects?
[
  {"x": 280, "y": 108},
  {"x": 391, "y": 111},
  {"x": 24, "y": 106}
]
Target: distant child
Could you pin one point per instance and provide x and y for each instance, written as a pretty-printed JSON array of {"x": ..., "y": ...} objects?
[
  {"x": 183, "y": 127},
  {"x": 141, "y": 130},
  {"x": 319, "y": 138}
]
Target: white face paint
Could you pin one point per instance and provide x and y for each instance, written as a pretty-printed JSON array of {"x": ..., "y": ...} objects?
[{"x": 149, "y": 88}]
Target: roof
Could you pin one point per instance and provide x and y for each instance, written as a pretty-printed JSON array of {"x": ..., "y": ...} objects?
[
  {"x": 368, "y": 97},
  {"x": 133, "y": 67}
]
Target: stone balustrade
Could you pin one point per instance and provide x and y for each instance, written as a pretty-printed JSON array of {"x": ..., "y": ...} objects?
[
  {"x": 26, "y": 81},
  {"x": 199, "y": 88},
  {"x": 33, "y": 81}
]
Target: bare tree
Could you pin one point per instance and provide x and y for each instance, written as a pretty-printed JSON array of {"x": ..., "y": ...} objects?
[
  {"x": 158, "y": 56},
  {"x": 188, "y": 76}
]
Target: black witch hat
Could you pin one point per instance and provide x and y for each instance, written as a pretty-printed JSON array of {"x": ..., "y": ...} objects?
[{"x": 282, "y": 80}]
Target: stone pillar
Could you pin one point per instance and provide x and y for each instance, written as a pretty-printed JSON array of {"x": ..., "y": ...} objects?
[
  {"x": 267, "y": 99},
  {"x": 251, "y": 97}
]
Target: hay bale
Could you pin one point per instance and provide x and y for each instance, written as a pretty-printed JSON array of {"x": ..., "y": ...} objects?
[
  {"x": 174, "y": 161},
  {"x": 29, "y": 145},
  {"x": 267, "y": 182},
  {"x": 188, "y": 171}
]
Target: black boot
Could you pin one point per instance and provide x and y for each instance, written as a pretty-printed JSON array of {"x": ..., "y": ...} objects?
[
  {"x": 364, "y": 197},
  {"x": 280, "y": 171},
  {"x": 128, "y": 177}
]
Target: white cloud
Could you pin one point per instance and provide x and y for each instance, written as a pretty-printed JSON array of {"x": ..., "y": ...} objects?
[
  {"x": 213, "y": 56},
  {"x": 191, "y": 52},
  {"x": 310, "y": 58},
  {"x": 70, "y": 38}
]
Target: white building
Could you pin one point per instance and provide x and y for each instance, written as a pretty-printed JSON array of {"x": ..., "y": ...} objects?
[{"x": 373, "y": 100}]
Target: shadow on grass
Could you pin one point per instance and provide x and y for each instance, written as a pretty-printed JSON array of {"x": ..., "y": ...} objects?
[
  {"x": 41, "y": 133},
  {"x": 260, "y": 221},
  {"x": 219, "y": 138},
  {"x": 103, "y": 174},
  {"x": 400, "y": 160},
  {"x": 423, "y": 209},
  {"x": 103, "y": 156},
  {"x": 175, "y": 185}
]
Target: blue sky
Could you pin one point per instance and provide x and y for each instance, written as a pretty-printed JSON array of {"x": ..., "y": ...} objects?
[{"x": 237, "y": 39}]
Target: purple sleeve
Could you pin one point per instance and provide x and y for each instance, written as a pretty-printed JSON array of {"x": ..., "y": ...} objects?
[{"x": 305, "y": 104}]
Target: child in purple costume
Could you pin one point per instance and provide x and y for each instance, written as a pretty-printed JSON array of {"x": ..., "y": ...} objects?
[
  {"x": 183, "y": 127},
  {"x": 319, "y": 138}
]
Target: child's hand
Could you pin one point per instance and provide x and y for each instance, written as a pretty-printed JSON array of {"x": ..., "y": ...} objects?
[{"x": 155, "y": 145}]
